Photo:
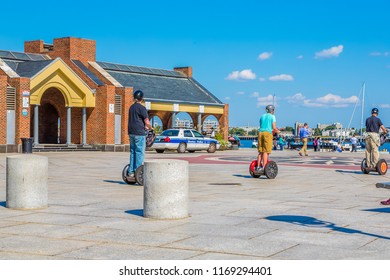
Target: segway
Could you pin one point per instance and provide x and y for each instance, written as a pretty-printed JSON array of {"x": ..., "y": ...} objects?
[
  {"x": 381, "y": 166},
  {"x": 138, "y": 175},
  {"x": 270, "y": 170}
]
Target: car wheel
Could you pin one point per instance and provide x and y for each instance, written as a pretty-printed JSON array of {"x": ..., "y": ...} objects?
[
  {"x": 182, "y": 148},
  {"x": 159, "y": 151},
  {"x": 212, "y": 148}
]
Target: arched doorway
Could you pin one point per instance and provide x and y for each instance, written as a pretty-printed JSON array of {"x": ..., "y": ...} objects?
[{"x": 49, "y": 124}]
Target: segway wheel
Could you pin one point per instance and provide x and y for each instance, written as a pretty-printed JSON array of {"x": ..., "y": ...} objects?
[
  {"x": 363, "y": 167},
  {"x": 139, "y": 175},
  {"x": 271, "y": 170},
  {"x": 124, "y": 176},
  {"x": 381, "y": 167},
  {"x": 252, "y": 169}
]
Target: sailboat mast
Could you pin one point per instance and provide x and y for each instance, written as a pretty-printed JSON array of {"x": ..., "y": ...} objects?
[{"x": 361, "y": 121}]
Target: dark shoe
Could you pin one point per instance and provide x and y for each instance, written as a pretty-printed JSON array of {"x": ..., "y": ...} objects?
[
  {"x": 300, "y": 154},
  {"x": 386, "y": 202}
]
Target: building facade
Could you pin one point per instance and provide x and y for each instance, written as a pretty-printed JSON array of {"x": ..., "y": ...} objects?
[{"x": 59, "y": 94}]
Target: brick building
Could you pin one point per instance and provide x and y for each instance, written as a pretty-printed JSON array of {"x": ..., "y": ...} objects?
[{"x": 59, "y": 94}]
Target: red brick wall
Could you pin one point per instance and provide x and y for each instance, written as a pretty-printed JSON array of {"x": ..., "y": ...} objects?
[
  {"x": 127, "y": 101},
  {"x": 34, "y": 46},
  {"x": 224, "y": 122},
  {"x": 22, "y": 122},
  {"x": 100, "y": 123},
  {"x": 3, "y": 109}
]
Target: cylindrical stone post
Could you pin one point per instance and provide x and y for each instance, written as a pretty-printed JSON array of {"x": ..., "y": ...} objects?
[
  {"x": 26, "y": 182},
  {"x": 165, "y": 189}
]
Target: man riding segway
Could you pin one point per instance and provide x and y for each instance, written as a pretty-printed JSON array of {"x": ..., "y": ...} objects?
[
  {"x": 373, "y": 141},
  {"x": 263, "y": 166}
]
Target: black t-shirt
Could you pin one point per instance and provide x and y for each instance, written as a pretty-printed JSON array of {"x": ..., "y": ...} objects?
[
  {"x": 137, "y": 116},
  {"x": 373, "y": 124}
]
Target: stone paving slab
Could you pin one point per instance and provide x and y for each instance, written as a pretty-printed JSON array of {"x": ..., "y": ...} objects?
[{"x": 318, "y": 207}]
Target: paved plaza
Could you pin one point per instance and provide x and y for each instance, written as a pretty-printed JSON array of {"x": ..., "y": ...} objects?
[{"x": 318, "y": 207}]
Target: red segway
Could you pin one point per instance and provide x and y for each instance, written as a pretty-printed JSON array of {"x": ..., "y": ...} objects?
[
  {"x": 381, "y": 166},
  {"x": 270, "y": 170}
]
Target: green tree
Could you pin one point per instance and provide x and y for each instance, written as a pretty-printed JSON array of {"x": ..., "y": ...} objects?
[
  {"x": 253, "y": 132},
  {"x": 289, "y": 128},
  {"x": 317, "y": 132},
  {"x": 330, "y": 127},
  {"x": 237, "y": 131}
]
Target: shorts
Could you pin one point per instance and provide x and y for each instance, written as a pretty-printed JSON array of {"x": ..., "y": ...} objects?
[{"x": 265, "y": 140}]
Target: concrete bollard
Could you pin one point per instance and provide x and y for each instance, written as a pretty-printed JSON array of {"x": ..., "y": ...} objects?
[
  {"x": 166, "y": 189},
  {"x": 27, "y": 176}
]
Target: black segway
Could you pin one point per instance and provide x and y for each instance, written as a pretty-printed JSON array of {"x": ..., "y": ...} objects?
[
  {"x": 270, "y": 170},
  {"x": 138, "y": 175},
  {"x": 139, "y": 172},
  {"x": 381, "y": 166}
]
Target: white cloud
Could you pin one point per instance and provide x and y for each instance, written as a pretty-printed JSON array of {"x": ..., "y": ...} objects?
[
  {"x": 240, "y": 93},
  {"x": 300, "y": 57},
  {"x": 380, "y": 54},
  {"x": 264, "y": 101},
  {"x": 255, "y": 94},
  {"x": 385, "y": 106},
  {"x": 227, "y": 98},
  {"x": 328, "y": 100},
  {"x": 264, "y": 56},
  {"x": 281, "y": 77},
  {"x": 296, "y": 98},
  {"x": 331, "y": 52},
  {"x": 245, "y": 74},
  {"x": 261, "y": 79}
]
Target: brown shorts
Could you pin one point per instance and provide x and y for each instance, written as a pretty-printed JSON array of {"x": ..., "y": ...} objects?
[{"x": 265, "y": 140}]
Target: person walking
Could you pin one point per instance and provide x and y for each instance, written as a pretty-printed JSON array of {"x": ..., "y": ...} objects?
[
  {"x": 265, "y": 139},
  {"x": 373, "y": 125},
  {"x": 315, "y": 143},
  {"x": 354, "y": 143},
  {"x": 138, "y": 122},
  {"x": 304, "y": 134}
]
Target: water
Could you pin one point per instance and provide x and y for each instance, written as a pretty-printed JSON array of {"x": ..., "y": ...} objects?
[{"x": 248, "y": 144}]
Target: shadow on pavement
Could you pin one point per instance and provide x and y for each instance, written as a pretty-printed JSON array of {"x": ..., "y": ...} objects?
[
  {"x": 379, "y": 210},
  {"x": 307, "y": 221},
  {"x": 136, "y": 212},
  {"x": 242, "y": 176},
  {"x": 115, "y": 182},
  {"x": 349, "y": 171}
]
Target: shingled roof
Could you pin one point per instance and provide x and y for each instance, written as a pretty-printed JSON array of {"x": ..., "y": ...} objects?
[{"x": 161, "y": 85}]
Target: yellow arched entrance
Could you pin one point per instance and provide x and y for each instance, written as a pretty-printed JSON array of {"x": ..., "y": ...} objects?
[{"x": 59, "y": 75}]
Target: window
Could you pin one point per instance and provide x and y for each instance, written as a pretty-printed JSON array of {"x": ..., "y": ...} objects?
[
  {"x": 170, "y": 132},
  {"x": 187, "y": 133},
  {"x": 197, "y": 134}
]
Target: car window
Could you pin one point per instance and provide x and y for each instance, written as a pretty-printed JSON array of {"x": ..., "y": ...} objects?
[
  {"x": 187, "y": 133},
  {"x": 170, "y": 133},
  {"x": 197, "y": 134}
]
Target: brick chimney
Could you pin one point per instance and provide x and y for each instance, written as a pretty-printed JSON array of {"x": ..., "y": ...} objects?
[
  {"x": 185, "y": 70},
  {"x": 65, "y": 48}
]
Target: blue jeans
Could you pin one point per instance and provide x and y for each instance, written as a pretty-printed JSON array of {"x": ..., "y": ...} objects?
[{"x": 137, "y": 152}]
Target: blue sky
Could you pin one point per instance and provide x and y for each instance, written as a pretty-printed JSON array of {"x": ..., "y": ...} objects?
[{"x": 312, "y": 55}]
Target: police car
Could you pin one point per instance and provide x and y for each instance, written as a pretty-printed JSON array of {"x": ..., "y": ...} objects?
[{"x": 184, "y": 140}]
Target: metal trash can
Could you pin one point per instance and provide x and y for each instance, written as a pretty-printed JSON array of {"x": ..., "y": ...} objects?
[{"x": 27, "y": 145}]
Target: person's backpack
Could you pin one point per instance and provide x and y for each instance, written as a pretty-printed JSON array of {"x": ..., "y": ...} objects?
[{"x": 150, "y": 137}]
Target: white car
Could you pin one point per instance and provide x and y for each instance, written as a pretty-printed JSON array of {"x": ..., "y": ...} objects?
[{"x": 184, "y": 140}]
